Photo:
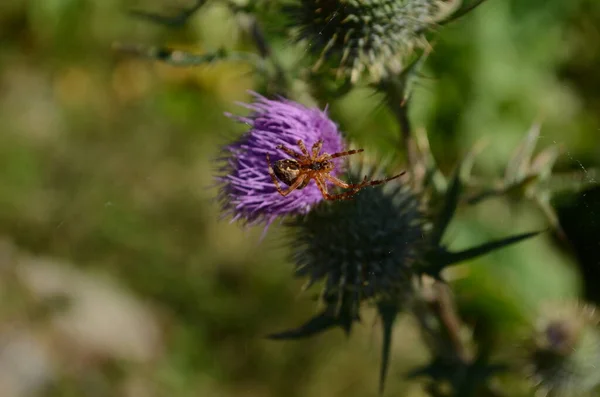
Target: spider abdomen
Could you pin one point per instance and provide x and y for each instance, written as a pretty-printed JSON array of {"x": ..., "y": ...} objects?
[{"x": 287, "y": 171}]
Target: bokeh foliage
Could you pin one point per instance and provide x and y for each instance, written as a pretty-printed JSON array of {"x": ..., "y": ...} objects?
[{"x": 106, "y": 164}]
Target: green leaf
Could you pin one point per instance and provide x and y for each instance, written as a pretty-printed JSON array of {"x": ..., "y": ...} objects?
[
  {"x": 315, "y": 325},
  {"x": 175, "y": 21},
  {"x": 388, "y": 312},
  {"x": 466, "y": 378},
  {"x": 448, "y": 209},
  {"x": 340, "y": 311},
  {"x": 443, "y": 258},
  {"x": 438, "y": 370},
  {"x": 510, "y": 189}
]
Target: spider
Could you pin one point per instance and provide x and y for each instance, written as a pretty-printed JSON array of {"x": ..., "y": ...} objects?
[{"x": 298, "y": 171}]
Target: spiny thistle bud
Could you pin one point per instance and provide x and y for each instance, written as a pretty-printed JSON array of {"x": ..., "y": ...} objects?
[
  {"x": 368, "y": 244},
  {"x": 359, "y": 35},
  {"x": 564, "y": 352},
  {"x": 361, "y": 250}
]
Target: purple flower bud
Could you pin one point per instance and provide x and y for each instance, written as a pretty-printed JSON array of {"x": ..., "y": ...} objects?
[{"x": 247, "y": 191}]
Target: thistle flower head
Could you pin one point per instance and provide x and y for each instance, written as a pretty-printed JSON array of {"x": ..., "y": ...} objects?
[
  {"x": 247, "y": 190},
  {"x": 359, "y": 35},
  {"x": 564, "y": 352}
]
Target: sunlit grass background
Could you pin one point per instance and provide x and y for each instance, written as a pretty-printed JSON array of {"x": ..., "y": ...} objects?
[{"x": 117, "y": 277}]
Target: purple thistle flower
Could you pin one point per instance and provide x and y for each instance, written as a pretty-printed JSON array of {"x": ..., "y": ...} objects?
[{"x": 247, "y": 191}]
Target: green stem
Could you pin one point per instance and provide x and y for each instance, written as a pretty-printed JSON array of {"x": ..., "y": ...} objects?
[
  {"x": 266, "y": 53},
  {"x": 399, "y": 107}
]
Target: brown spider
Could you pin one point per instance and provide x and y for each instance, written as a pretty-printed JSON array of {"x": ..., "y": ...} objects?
[{"x": 297, "y": 172}]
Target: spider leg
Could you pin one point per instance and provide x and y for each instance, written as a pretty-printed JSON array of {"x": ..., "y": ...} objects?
[
  {"x": 327, "y": 156},
  {"x": 291, "y": 152},
  {"x": 343, "y": 184},
  {"x": 380, "y": 181},
  {"x": 316, "y": 148},
  {"x": 323, "y": 188},
  {"x": 302, "y": 147},
  {"x": 292, "y": 187}
]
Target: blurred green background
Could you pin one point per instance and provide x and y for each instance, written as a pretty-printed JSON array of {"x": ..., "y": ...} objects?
[{"x": 117, "y": 277}]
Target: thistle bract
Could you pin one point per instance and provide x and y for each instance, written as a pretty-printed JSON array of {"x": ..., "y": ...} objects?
[
  {"x": 359, "y": 35},
  {"x": 247, "y": 190}
]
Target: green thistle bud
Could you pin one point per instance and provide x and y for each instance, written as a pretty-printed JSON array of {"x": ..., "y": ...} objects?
[
  {"x": 564, "y": 352},
  {"x": 364, "y": 35},
  {"x": 365, "y": 249},
  {"x": 368, "y": 244}
]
